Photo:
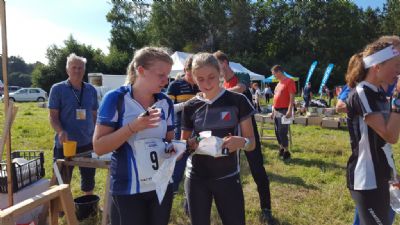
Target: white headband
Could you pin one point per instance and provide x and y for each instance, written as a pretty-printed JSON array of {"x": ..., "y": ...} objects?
[{"x": 380, "y": 56}]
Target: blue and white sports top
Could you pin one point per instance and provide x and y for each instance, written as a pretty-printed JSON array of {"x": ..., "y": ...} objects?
[{"x": 135, "y": 161}]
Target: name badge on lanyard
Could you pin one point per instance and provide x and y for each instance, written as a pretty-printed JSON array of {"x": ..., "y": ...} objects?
[{"x": 81, "y": 114}]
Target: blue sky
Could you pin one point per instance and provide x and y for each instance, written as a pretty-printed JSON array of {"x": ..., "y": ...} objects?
[
  {"x": 34, "y": 25},
  {"x": 371, "y": 3}
]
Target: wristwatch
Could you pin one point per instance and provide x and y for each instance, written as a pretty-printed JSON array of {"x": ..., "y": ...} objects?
[{"x": 246, "y": 143}]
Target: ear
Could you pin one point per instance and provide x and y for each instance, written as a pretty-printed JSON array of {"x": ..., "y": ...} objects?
[
  {"x": 226, "y": 63},
  {"x": 375, "y": 68},
  {"x": 140, "y": 70}
]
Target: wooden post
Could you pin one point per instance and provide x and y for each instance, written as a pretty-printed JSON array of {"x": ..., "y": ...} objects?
[
  {"x": 6, "y": 99},
  {"x": 9, "y": 119},
  {"x": 106, "y": 203},
  {"x": 68, "y": 206},
  {"x": 55, "y": 206}
]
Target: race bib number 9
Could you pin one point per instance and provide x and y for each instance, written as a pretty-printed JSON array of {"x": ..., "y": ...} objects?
[{"x": 149, "y": 157}]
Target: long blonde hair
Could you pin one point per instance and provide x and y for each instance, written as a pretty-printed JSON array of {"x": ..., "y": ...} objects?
[{"x": 145, "y": 57}]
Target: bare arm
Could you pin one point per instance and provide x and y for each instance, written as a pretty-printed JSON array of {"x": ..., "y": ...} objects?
[
  {"x": 54, "y": 117},
  {"x": 291, "y": 104},
  {"x": 234, "y": 143},
  {"x": 390, "y": 130},
  {"x": 247, "y": 130},
  {"x": 185, "y": 134},
  {"x": 106, "y": 139},
  {"x": 341, "y": 106}
]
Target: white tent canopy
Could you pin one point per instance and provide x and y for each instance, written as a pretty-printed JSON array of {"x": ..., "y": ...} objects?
[
  {"x": 237, "y": 67},
  {"x": 179, "y": 59}
]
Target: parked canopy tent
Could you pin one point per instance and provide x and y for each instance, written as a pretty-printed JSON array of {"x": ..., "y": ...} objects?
[
  {"x": 179, "y": 59},
  {"x": 272, "y": 78},
  {"x": 237, "y": 67}
]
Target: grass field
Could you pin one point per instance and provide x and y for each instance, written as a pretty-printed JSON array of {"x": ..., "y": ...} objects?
[{"x": 308, "y": 189}]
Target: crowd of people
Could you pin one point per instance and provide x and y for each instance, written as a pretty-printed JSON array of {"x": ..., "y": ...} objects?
[{"x": 135, "y": 122}]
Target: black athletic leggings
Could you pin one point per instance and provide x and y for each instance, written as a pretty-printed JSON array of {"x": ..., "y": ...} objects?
[
  {"x": 256, "y": 164},
  {"x": 227, "y": 194},
  {"x": 141, "y": 209},
  {"x": 373, "y": 205}
]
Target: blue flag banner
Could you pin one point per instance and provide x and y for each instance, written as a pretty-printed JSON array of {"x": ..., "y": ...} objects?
[
  {"x": 310, "y": 72},
  {"x": 326, "y": 76}
]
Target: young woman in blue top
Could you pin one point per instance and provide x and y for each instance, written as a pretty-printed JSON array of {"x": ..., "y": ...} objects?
[{"x": 133, "y": 122}]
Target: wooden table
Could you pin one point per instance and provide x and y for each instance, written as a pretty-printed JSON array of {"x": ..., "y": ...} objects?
[{"x": 89, "y": 163}]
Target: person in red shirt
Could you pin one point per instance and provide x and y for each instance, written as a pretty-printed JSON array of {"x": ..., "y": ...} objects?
[{"x": 283, "y": 106}]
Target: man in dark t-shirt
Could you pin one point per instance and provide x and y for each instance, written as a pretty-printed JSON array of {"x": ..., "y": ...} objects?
[
  {"x": 307, "y": 95},
  {"x": 180, "y": 91}
]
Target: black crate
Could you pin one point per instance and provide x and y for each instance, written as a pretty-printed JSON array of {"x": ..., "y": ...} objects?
[{"x": 22, "y": 174}]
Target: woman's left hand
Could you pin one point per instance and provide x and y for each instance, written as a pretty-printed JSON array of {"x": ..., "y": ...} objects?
[{"x": 233, "y": 143}]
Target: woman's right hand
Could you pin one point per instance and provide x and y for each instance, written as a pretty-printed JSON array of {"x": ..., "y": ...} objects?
[{"x": 145, "y": 122}]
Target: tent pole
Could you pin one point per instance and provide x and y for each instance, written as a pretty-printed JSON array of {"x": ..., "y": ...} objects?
[{"x": 6, "y": 98}]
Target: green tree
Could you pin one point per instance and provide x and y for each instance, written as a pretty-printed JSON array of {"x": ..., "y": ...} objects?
[
  {"x": 177, "y": 25},
  {"x": 116, "y": 61},
  {"x": 391, "y": 23},
  {"x": 45, "y": 76},
  {"x": 19, "y": 79},
  {"x": 128, "y": 22},
  {"x": 295, "y": 33}
]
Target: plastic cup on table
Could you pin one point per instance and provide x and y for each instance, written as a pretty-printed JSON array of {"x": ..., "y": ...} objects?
[{"x": 69, "y": 148}]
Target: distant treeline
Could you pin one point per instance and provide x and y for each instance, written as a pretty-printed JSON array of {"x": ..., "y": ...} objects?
[{"x": 257, "y": 34}]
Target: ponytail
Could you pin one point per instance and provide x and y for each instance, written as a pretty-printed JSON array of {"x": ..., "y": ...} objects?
[{"x": 355, "y": 70}]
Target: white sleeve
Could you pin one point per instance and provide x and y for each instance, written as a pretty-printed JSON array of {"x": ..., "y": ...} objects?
[{"x": 178, "y": 107}]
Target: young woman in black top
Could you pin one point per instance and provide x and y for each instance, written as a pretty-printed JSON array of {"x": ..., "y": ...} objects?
[
  {"x": 372, "y": 127},
  {"x": 228, "y": 116}
]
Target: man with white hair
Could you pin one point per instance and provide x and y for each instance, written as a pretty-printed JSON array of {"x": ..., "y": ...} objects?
[{"x": 73, "y": 110}]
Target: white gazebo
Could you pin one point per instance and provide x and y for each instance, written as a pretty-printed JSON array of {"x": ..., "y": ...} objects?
[{"x": 179, "y": 59}]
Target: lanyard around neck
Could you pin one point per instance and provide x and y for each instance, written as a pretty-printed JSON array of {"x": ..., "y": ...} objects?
[{"x": 79, "y": 100}]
